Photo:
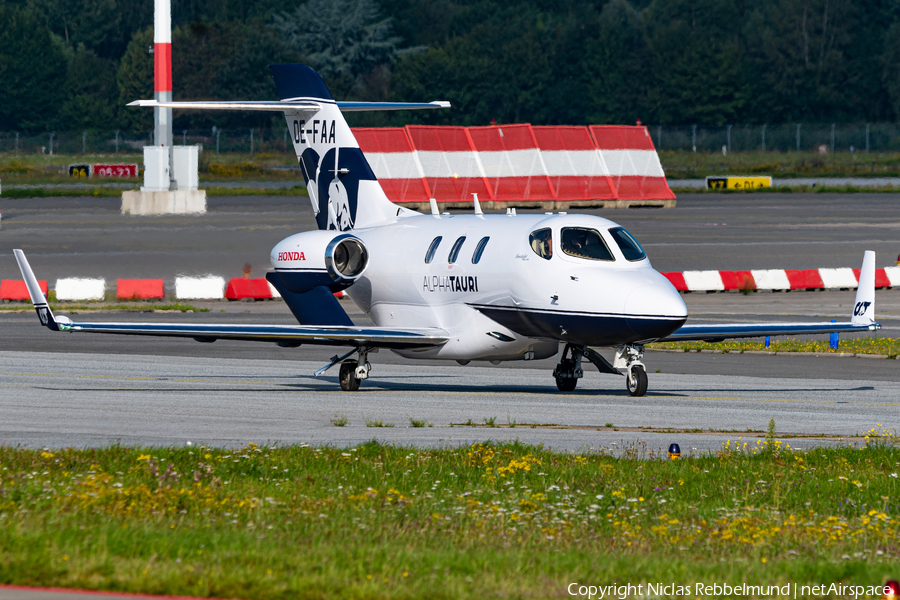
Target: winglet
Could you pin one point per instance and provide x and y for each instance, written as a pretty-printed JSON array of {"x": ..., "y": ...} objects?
[
  {"x": 34, "y": 290},
  {"x": 864, "y": 307}
]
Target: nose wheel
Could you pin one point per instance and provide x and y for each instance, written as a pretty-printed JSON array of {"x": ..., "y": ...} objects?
[
  {"x": 628, "y": 359},
  {"x": 636, "y": 380}
]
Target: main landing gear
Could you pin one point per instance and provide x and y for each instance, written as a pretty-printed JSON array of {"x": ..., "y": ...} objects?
[
  {"x": 628, "y": 359},
  {"x": 352, "y": 371}
]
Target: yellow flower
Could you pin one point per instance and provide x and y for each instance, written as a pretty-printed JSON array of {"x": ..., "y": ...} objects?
[
  {"x": 46, "y": 455},
  {"x": 144, "y": 457}
]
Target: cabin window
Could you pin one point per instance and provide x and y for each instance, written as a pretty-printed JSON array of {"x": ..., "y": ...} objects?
[
  {"x": 479, "y": 250},
  {"x": 585, "y": 243},
  {"x": 627, "y": 244},
  {"x": 454, "y": 251},
  {"x": 542, "y": 243},
  {"x": 429, "y": 256}
]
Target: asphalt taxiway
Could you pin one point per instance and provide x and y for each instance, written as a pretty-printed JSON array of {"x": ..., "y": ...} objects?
[{"x": 78, "y": 389}]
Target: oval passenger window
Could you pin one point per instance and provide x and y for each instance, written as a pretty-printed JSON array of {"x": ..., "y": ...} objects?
[
  {"x": 454, "y": 251},
  {"x": 429, "y": 256},
  {"x": 479, "y": 250}
]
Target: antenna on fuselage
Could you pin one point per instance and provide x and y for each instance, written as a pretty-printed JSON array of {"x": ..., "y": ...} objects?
[
  {"x": 477, "y": 204},
  {"x": 435, "y": 211}
]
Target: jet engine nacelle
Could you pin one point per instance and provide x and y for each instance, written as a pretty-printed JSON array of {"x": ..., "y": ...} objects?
[{"x": 319, "y": 258}]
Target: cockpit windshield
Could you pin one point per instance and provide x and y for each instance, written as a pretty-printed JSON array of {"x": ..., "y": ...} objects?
[
  {"x": 627, "y": 244},
  {"x": 542, "y": 243},
  {"x": 585, "y": 243}
]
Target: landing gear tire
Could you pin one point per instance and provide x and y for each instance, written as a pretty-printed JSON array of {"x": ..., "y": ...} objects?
[
  {"x": 349, "y": 380},
  {"x": 566, "y": 384},
  {"x": 636, "y": 381}
]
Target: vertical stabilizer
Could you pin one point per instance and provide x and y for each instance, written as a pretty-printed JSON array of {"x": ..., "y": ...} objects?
[
  {"x": 864, "y": 307},
  {"x": 342, "y": 188}
]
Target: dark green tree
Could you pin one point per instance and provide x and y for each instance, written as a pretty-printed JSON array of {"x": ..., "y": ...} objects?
[
  {"x": 91, "y": 93},
  {"x": 32, "y": 69},
  {"x": 135, "y": 82},
  {"x": 344, "y": 40}
]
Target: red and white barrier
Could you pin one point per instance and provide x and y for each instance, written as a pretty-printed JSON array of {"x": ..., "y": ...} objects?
[
  {"x": 140, "y": 289},
  {"x": 394, "y": 162},
  {"x": 254, "y": 289},
  {"x": 632, "y": 162},
  {"x": 512, "y": 163},
  {"x": 573, "y": 164},
  {"x": 778, "y": 279},
  {"x": 12, "y": 289},
  {"x": 200, "y": 288},
  {"x": 450, "y": 165},
  {"x": 74, "y": 288}
]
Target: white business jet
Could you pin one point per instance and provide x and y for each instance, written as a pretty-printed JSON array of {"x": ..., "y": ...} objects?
[{"x": 457, "y": 287}]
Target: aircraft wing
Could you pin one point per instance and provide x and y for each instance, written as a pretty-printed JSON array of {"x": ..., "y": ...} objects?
[
  {"x": 718, "y": 333},
  {"x": 862, "y": 318},
  {"x": 283, "y": 335}
]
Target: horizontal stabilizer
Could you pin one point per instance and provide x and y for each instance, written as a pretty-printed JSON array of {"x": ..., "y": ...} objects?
[{"x": 290, "y": 105}]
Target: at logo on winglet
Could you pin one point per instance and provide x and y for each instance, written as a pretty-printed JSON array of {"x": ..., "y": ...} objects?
[
  {"x": 861, "y": 308},
  {"x": 44, "y": 316}
]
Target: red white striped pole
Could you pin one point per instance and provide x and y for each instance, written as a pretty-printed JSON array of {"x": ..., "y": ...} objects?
[{"x": 162, "y": 69}]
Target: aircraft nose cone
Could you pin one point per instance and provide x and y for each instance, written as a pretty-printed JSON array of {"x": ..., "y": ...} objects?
[{"x": 655, "y": 310}]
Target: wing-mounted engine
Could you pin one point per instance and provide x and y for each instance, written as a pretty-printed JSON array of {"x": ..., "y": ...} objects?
[{"x": 319, "y": 258}]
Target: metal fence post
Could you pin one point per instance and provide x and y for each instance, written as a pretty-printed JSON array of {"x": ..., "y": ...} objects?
[
  {"x": 251, "y": 140},
  {"x": 867, "y": 137},
  {"x": 184, "y": 137},
  {"x": 284, "y": 139},
  {"x": 84, "y": 142},
  {"x": 798, "y": 137},
  {"x": 832, "y": 138},
  {"x": 218, "y": 131},
  {"x": 694, "y": 137},
  {"x": 728, "y": 136},
  {"x": 51, "y": 143},
  {"x": 658, "y": 137},
  {"x": 764, "y": 137},
  {"x": 117, "y": 141}
]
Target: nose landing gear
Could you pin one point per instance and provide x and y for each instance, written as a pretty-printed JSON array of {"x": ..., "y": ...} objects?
[
  {"x": 628, "y": 358},
  {"x": 627, "y": 362}
]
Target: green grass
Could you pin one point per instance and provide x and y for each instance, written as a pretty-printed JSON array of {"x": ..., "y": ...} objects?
[
  {"x": 862, "y": 345},
  {"x": 691, "y": 165},
  {"x": 792, "y": 189},
  {"x": 483, "y": 521}
]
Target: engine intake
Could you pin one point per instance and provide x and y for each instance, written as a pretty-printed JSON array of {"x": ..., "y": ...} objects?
[{"x": 346, "y": 258}]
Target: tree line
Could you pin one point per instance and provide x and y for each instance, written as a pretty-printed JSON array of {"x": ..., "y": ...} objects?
[{"x": 74, "y": 64}]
